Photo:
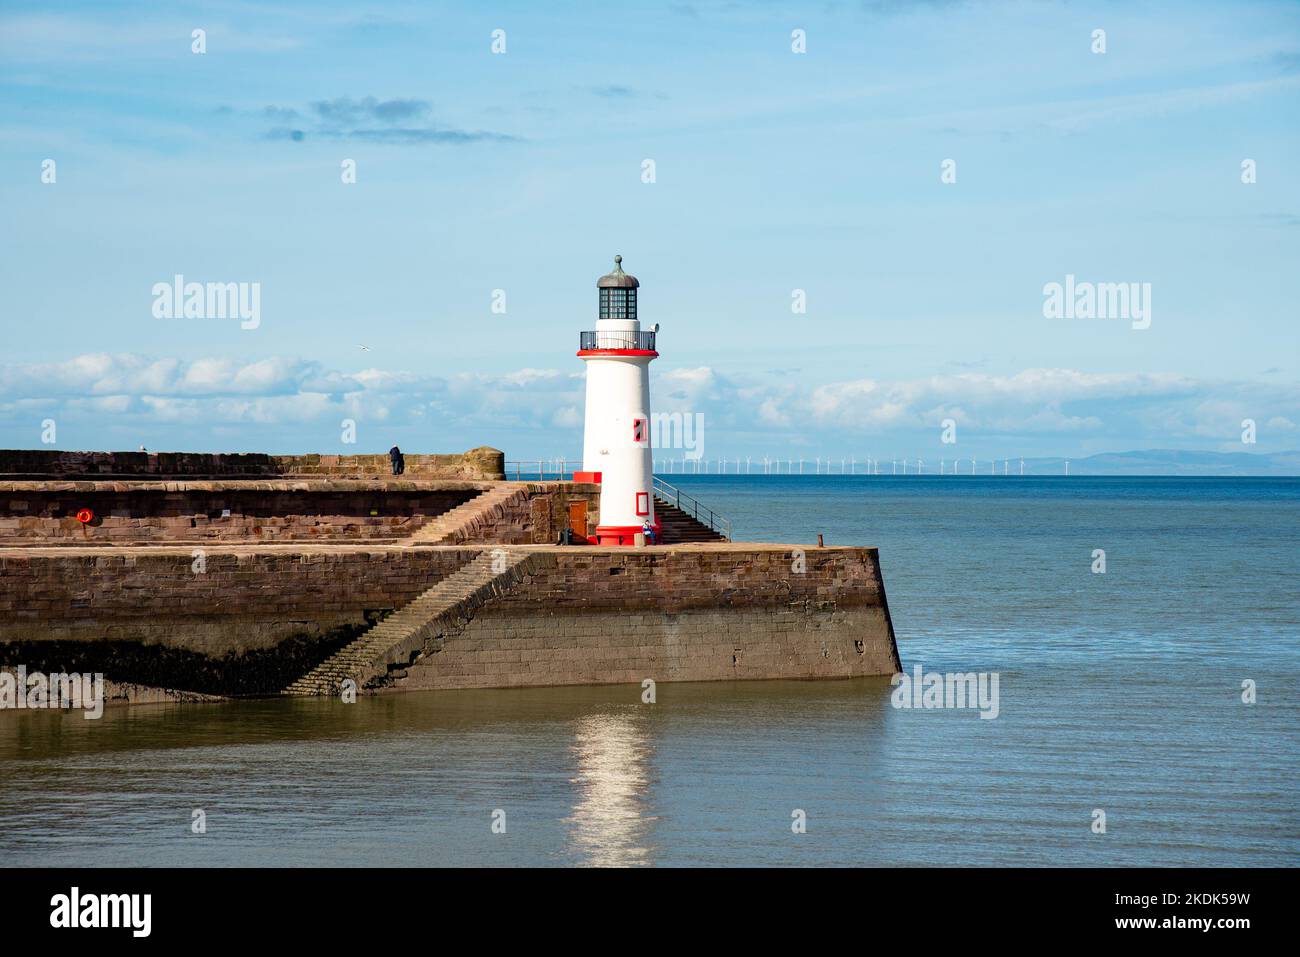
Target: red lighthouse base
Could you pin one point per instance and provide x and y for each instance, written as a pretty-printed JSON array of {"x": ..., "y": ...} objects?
[{"x": 621, "y": 534}]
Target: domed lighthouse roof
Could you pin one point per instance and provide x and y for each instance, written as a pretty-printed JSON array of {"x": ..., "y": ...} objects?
[{"x": 617, "y": 279}]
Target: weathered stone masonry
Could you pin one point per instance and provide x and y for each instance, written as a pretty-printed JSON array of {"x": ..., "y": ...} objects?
[
  {"x": 257, "y": 618},
  {"x": 483, "y": 464},
  {"x": 130, "y": 512},
  {"x": 255, "y": 575},
  {"x": 692, "y": 614},
  {"x": 250, "y": 621},
  {"x": 310, "y": 510}
]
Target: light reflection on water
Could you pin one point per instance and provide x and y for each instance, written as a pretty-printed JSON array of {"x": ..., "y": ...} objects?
[{"x": 609, "y": 823}]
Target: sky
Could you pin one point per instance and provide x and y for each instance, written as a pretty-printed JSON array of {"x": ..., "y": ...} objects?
[{"x": 917, "y": 178}]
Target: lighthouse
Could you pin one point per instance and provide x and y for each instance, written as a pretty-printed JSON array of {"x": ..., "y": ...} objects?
[{"x": 616, "y": 439}]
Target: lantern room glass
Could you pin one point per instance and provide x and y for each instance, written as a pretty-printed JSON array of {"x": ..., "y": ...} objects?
[{"x": 618, "y": 304}]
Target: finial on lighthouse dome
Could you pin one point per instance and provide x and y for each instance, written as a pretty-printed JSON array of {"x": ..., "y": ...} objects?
[{"x": 617, "y": 279}]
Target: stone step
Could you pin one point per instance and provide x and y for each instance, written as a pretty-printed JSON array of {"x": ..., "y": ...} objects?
[
  {"x": 458, "y": 523},
  {"x": 445, "y": 607},
  {"x": 677, "y": 527}
]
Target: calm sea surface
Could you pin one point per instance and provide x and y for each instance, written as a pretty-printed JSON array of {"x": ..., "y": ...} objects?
[{"x": 1119, "y": 691}]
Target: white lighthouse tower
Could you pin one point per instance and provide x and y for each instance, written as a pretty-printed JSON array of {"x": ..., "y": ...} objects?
[{"x": 616, "y": 442}]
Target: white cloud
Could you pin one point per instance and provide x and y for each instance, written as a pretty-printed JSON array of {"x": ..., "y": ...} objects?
[
  {"x": 769, "y": 413},
  {"x": 299, "y": 397},
  {"x": 568, "y": 417}
]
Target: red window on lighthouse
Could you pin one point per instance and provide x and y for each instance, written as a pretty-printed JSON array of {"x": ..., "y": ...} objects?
[
  {"x": 639, "y": 430},
  {"x": 643, "y": 503}
]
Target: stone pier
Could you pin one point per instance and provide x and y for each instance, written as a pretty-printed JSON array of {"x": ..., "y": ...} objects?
[{"x": 264, "y": 584}]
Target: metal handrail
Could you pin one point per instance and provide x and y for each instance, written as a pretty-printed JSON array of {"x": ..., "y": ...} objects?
[
  {"x": 543, "y": 470},
  {"x": 602, "y": 339},
  {"x": 693, "y": 507},
  {"x": 561, "y": 470}
]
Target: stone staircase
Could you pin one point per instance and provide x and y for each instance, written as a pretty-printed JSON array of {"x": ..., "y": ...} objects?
[
  {"x": 462, "y": 522},
  {"x": 381, "y": 654},
  {"x": 677, "y": 528}
]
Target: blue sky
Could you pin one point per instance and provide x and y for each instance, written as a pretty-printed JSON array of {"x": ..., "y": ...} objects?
[{"x": 774, "y": 171}]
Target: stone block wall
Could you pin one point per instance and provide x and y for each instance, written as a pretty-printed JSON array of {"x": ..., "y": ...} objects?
[
  {"x": 535, "y": 518},
  {"x": 248, "y": 620},
  {"x": 481, "y": 464},
  {"x": 702, "y": 645},
  {"x": 38, "y": 463},
  {"x": 240, "y": 622},
  {"x": 277, "y": 510},
  {"x": 135, "y": 512},
  {"x": 675, "y": 615}
]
